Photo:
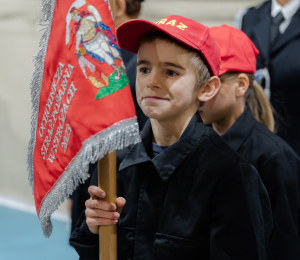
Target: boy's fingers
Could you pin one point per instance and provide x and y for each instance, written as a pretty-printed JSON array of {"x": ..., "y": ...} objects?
[
  {"x": 120, "y": 204},
  {"x": 95, "y": 192},
  {"x": 93, "y": 222},
  {"x": 98, "y": 213},
  {"x": 100, "y": 204}
]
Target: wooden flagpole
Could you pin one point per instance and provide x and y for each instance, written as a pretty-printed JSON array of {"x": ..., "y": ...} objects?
[{"x": 107, "y": 180}]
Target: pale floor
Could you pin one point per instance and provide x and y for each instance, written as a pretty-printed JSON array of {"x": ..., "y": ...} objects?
[{"x": 21, "y": 237}]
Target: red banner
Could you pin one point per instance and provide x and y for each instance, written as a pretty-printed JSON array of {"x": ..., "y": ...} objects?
[{"x": 82, "y": 104}]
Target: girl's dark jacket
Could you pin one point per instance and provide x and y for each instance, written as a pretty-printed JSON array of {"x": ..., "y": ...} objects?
[
  {"x": 198, "y": 199},
  {"x": 279, "y": 169}
]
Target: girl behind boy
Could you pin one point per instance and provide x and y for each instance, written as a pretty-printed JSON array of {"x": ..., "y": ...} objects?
[{"x": 242, "y": 115}]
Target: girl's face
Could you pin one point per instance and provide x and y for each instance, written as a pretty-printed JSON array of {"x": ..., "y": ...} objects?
[
  {"x": 222, "y": 104},
  {"x": 165, "y": 82}
]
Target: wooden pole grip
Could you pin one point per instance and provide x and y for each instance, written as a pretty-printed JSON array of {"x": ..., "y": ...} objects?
[{"x": 107, "y": 181}]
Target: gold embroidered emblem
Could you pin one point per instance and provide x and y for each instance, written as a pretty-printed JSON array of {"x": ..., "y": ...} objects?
[
  {"x": 181, "y": 26},
  {"x": 98, "y": 84},
  {"x": 88, "y": 29},
  {"x": 162, "y": 21},
  {"x": 82, "y": 51},
  {"x": 172, "y": 22}
]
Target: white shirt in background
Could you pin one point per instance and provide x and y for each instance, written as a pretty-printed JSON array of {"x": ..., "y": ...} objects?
[{"x": 288, "y": 10}]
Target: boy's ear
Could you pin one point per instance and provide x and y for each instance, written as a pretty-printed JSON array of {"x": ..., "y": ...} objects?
[
  {"x": 120, "y": 8},
  {"x": 211, "y": 88},
  {"x": 243, "y": 85}
]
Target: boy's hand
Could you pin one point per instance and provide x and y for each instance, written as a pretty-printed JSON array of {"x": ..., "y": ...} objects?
[{"x": 99, "y": 212}]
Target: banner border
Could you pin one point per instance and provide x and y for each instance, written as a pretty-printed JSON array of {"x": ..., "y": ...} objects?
[
  {"x": 36, "y": 82},
  {"x": 115, "y": 137}
]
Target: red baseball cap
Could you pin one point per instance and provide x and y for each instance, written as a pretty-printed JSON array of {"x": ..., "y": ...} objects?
[
  {"x": 238, "y": 53},
  {"x": 192, "y": 34}
]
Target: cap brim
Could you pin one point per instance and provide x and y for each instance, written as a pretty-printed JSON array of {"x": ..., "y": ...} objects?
[
  {"x": 222, "y": 71},
  {"x": 132, "y": 32}
]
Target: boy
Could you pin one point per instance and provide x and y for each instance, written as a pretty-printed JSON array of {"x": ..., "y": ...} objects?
[{"x": 183, "y": 193}]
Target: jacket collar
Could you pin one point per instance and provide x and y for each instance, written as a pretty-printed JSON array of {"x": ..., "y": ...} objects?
[
  {"x": 167, "y": 161},
  {"x": 240, "y": 130},
  {"x": 288, "y": 10},
  {"x": 292, "y": 31},
  {"x": 261, "y": 30}
]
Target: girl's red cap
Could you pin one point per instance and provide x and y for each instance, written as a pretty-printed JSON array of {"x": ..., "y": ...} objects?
[
  {"x": 238, "y": 52},
  {"x": 193, "y": 34}
]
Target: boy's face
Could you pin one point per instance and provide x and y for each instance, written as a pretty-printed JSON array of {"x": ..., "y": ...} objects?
[{"x": 165, "y": 82}]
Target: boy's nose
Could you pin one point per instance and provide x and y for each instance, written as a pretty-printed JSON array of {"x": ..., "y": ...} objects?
[{"x": 154, "y": 80}]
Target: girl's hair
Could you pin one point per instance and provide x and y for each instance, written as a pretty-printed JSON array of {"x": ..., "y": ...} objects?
[
  {"x": 133, "y": 8},
  {"x": 257, "y": 101},
  {"x": 200, "y": 65}
]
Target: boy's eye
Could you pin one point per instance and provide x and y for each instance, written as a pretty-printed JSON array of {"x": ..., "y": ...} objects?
[
  {"x": 144, "y": 70},
  {"x": 171, "y": 73}
]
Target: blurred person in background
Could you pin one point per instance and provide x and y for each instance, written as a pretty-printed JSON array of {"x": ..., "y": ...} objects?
[
  {"x": 125, "y": 11},
  {"x": 274, "y": 27},
  {"x": 242, "y": 115}
]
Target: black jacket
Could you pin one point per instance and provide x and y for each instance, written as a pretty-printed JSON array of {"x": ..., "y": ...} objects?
[
  {"x": 198, "y": 199},
  {"x": 283, "y": 62},
  {"x": 279, "y": 169}
]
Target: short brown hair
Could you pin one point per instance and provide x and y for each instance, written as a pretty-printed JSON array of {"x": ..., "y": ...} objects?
[{"x": 200, "y": 65}]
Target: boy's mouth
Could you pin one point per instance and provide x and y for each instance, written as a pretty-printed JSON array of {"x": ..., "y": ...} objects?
[{"x": 155, "y": 98}]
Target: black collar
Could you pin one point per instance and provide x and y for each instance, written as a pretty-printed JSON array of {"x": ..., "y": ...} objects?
[
  {"x": 291, "y": 32},
  {"x": 167, "y": 161},
  {"x": 262, "y": 28},
  {"x": 240, "y": 130}
]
